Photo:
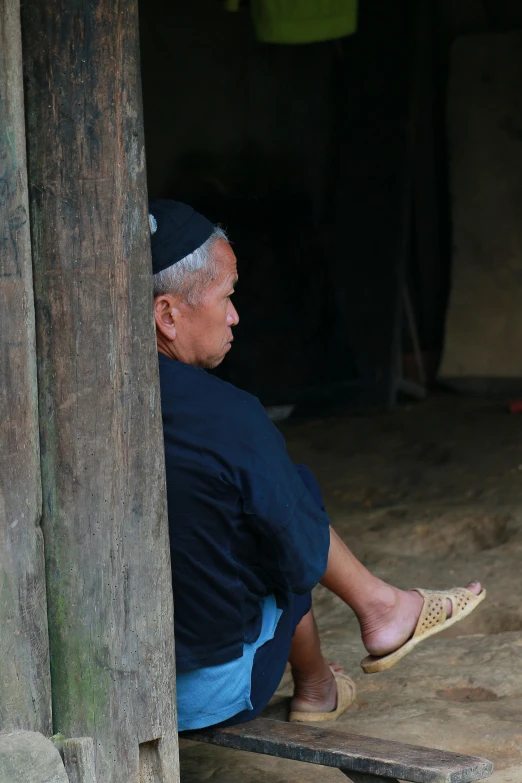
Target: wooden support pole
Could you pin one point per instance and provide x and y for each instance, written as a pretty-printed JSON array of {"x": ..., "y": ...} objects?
[
  {"x": 104, "y": 520},
  {"x": 25, "y": 685},
  {"x": 373, "y": 193}
]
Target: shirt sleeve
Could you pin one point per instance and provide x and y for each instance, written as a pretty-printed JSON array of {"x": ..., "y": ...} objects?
[{"x": 292, "y": 530}]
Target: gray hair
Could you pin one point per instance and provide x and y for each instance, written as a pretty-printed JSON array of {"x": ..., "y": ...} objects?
[{"x": 190, "y": 276}]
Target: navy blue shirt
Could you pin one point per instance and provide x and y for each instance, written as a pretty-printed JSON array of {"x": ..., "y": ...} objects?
[{"x": 242, "y": 523}]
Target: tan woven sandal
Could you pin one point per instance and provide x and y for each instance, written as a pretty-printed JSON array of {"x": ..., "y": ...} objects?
[
  {"x": 345, "y": 697},
  {"x": 432, "y": 620}
]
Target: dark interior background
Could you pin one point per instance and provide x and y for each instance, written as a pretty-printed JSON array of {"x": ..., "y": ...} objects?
[{"x": 326, "y": 163}]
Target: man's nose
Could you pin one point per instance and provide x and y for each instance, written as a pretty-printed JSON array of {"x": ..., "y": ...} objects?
[{"x": 232, "y": 316}]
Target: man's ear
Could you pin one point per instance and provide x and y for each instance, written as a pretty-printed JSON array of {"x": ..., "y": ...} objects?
[{"x": 166, "y": 315}]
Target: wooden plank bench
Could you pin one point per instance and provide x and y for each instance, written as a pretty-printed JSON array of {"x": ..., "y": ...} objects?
[{"x": 361, "y": 759}]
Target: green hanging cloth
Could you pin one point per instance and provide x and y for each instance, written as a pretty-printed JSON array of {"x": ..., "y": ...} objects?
[{"x": 303, "y": 21}]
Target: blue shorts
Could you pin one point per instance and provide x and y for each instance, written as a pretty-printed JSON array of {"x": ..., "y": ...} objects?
[{"x": 270, "y": 660}]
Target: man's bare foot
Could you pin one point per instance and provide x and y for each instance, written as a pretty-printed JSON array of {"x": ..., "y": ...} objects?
[
  {"x": 393, "y": 617},
  {"x": 315, "y": 694}
]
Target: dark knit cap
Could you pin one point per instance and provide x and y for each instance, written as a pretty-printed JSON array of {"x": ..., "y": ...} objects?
[{"x": 176, "y": 231}]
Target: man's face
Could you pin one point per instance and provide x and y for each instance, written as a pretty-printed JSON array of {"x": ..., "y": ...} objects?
[{"x": 201, "y": 335}]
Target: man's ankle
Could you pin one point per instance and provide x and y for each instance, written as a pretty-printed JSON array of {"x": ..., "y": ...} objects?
[
  {"x": 313, "y": 674},
  {"x": 380, "y": 601}
]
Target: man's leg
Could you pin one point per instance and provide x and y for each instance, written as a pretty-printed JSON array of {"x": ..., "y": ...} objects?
[
  {"x": 315, "y": 689},
  {"x": 387, "y": 617}
]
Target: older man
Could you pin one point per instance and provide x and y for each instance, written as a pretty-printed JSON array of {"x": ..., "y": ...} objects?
[{"x": 248, "y": 534}]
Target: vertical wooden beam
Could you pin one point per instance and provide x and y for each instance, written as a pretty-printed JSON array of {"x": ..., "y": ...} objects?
[
  {"x": 104, "y": 520},
  {"x": 427, "y": 182},
  {"x": 25, "y": 686},
  {"x": 373, "y": 193}
]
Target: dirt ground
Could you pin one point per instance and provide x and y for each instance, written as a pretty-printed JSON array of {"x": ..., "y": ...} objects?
[{"x": 431, "y": 496}]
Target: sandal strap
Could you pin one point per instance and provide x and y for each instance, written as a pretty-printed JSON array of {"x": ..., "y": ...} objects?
[
  {"x": 434, "y": 609},
  {"x": 345, "y": 689}
]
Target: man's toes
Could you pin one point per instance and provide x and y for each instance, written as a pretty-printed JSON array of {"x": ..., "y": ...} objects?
[
  {"x": 335, "y": 667},
  {"x": 473, "y": 587}
]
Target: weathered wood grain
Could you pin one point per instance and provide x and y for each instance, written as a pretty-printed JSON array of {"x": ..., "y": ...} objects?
[
  {"x": 78, "y": 759},
  {"x": 104, "y": 506},
  {"x": 28, "y": 757},
  {"x": 150, "y": 763},
  {"x": 25, "y": 686},
  {"x": 348, "y": 751}
]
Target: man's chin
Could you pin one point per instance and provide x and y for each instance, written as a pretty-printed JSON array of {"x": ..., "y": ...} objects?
[{"x": 215, "y": 362}]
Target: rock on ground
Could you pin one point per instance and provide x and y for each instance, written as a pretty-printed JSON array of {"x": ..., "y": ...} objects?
[{"x": 28, "y": 757}]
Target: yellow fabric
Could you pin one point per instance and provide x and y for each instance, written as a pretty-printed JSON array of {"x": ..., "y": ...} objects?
[{"x": 303, "y": 21}]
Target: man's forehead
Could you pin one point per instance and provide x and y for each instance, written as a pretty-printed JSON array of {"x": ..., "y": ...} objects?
[
  {"x": 226, "y": 257},
  {"x": 230, "y": 280},
  {"x": 223, "y": 249}
]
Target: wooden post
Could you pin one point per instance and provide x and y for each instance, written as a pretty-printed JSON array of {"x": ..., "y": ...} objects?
[
  {"x": 25, "y": 686},
  {"x": 104, "y": 519},
  {"x": 373, "y": 199}
]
